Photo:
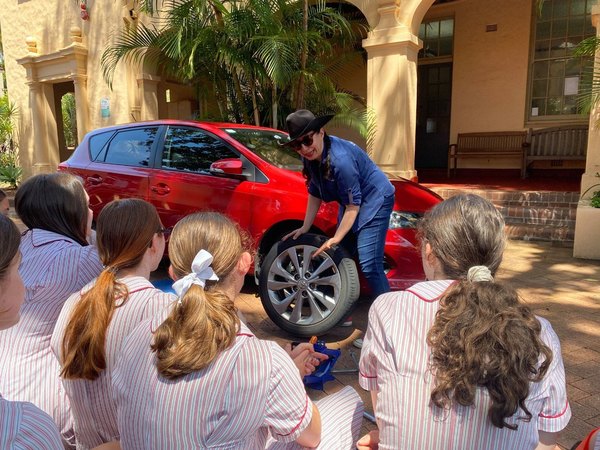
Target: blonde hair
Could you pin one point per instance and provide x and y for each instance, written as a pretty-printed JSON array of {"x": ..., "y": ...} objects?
[
  {"x": 205, "y": 322},
  {"x": 125, "y": 231}
]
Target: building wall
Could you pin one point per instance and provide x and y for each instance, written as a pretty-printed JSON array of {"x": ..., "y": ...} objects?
[
  {"x": 49, "y": 23},
  {"x": 490, "y": 68}
]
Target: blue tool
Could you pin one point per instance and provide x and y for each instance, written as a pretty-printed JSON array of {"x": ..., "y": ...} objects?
[
  {"x": 322, "y": 373},
  {"x": 165, "y": 285}
]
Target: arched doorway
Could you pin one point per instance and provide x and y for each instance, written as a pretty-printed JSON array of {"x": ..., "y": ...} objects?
[
  {"x": 50, "y": 77},
  {"x": 65, "y": 112}
]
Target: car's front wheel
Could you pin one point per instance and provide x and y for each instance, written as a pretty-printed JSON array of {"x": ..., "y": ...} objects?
[{"x": 303, "y": 295}]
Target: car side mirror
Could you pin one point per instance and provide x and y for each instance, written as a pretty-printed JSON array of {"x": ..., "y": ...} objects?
[{"x": 228, "y": 166}]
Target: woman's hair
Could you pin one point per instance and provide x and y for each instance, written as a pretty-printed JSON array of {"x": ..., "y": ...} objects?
[
  {"x": 482, "y": 336},
  {"x": 326, "y": 165},
  {"x": 2, "y": 195},
  {"x": 55, "y": 202},
  {"x": 10, "y": 238},
  {"x": 205, "y": 321},
  {"x": 125, "y": 231}
]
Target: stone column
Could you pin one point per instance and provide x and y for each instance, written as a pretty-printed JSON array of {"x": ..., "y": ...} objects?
[
  {"x": 587, "y": 230},
  {"x": 148, "y": 85},
  {"x": 82, "y": 104},
  {"x": 392, "y": 51},
  {"x": 39, "y": 156}
]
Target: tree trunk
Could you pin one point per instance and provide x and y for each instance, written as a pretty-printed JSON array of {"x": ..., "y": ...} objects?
[
  {"x": 254, "y": 103},
  {"x": 274, "y": 106},
  {"x": 303, "y": 58},
  {"x": 240, "y": 97}
]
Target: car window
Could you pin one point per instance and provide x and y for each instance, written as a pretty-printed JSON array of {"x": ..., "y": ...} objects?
[
  {"x": 130, "y": 147},
  {"x": 97, "y": 143},
  {"x": 266, "y": 144},
  {"x": 193, "y": 150}
]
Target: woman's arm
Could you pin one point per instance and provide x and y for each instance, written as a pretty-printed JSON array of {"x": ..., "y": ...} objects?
[
  {"x": 311, "y": 436},
  {"x": 547, "y": 440},
  {"x": 370, "y": 441},
  {"x": 348, "y": 219},
  {"x": 312, "y": 208},
  {"x": 114, "y": 445}
]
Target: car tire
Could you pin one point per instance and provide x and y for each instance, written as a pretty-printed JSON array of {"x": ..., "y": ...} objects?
[{"x": 308, "y": 299}]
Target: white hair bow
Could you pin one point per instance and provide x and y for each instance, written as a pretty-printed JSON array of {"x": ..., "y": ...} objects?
[
  {"x": 201, "y": 272},
  {"x": 479, "y": 273}
]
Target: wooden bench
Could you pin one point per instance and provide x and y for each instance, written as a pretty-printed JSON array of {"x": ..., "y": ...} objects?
[
  {"x": 557, "y": 144},
  {"x": 488, "y": 145}
]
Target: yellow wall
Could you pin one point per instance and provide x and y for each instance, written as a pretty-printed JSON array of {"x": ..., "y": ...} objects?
[
  {"x": 489, "y": 84},
  {"x": 50, "y": 24},
  {"x": 490, "y": 68}
]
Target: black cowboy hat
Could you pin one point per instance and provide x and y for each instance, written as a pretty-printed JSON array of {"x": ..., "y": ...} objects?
[{"x": 302, "y": 122}]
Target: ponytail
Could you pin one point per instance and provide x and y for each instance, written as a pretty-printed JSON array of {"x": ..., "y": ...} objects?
[
  {"x": 483, "y": 336},
  {"x": 83, "y": 355},
  {"x": 201, "y": 326}
]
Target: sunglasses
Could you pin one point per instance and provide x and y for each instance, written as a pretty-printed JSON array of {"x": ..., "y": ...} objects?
[
  {"x": 165, "y": 231},
  {"x": 306, "y": 141}
]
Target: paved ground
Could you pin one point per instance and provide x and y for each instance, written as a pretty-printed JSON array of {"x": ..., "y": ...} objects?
[{"x": 558, "y": 287}]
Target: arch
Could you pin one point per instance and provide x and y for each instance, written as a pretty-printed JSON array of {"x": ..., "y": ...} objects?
[{"x": 408, "y": 12}]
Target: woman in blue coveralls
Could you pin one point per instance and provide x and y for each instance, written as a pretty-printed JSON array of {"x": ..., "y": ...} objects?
[{"x": 339, "y": 170}]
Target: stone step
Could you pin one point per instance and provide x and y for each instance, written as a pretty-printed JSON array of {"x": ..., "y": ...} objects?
[
  {"x": 558, "y": 235},
  {"x": 539, "y": 215},
  {"x": 514, "y": 198},
  {"x": 531, "y": 215}
]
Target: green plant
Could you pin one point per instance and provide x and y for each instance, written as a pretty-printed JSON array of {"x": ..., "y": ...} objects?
[
  {"x": 11, "y": 175},
  {"x": 10, "y": 172},
  {"x": 69, "y": 111},
  {"x": 595, "y": 198},
  {"x": 254, "y": 60}
]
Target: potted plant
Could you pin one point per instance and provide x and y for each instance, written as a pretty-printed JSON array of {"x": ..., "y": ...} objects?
[{"x": 587, "y": 232}]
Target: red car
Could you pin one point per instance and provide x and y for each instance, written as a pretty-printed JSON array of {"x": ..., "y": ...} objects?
[{"x": 185, "y": 166}]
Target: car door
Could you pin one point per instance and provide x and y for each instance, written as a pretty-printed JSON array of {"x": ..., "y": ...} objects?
[
  {"x": 120, "y": 167},
  {"x": 185, "y": 184}
]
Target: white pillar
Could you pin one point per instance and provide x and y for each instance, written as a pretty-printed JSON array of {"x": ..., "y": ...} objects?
[
  {"x": 392, "y": 51},
  {"x": 587, "y": 228},
  {"x": 82, "y": 105},
  {"x": 40, "y": 154}
]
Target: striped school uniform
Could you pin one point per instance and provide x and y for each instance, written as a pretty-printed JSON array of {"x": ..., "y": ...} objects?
[
  {"x": 52, "y": 268},
  {"x": 26, "y": 427},
  {"x": 394, "y": 361},
  {"x": 92, "y": 405},
  {"x": 250, "y": 390}
]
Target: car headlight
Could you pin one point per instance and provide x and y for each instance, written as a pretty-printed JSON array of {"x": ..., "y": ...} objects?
[{"x": 401, "y": 219}]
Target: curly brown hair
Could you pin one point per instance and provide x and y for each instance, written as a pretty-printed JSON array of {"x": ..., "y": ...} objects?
[{"x": 482, "y": 335}]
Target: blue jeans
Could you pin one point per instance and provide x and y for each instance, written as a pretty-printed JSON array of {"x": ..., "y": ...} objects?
[{"x": 368, "y": 244}]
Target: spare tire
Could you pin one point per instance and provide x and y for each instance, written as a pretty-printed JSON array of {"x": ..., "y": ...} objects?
[{"x": 307, "y": 296}]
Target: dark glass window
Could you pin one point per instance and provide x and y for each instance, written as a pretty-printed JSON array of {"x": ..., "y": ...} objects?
[
  {"x": 556, "y": 75},
  {"x": 130, "y": 147},
  {"x": 97, "y": 143},
  {"x": 437, "y": 37},
  {"x": 193, "y": 150}
]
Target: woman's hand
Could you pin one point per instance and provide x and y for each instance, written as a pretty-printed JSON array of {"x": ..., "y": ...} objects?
[
  {"x": 305, "y": 357},
  {"x": 329, "y": 243},
  {"x": 296, "y": 233},
  {"x": 369, "y": 441}
]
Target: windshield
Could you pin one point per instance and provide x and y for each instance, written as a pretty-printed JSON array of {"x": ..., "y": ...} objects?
[{"x": 265, "y": 143}]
